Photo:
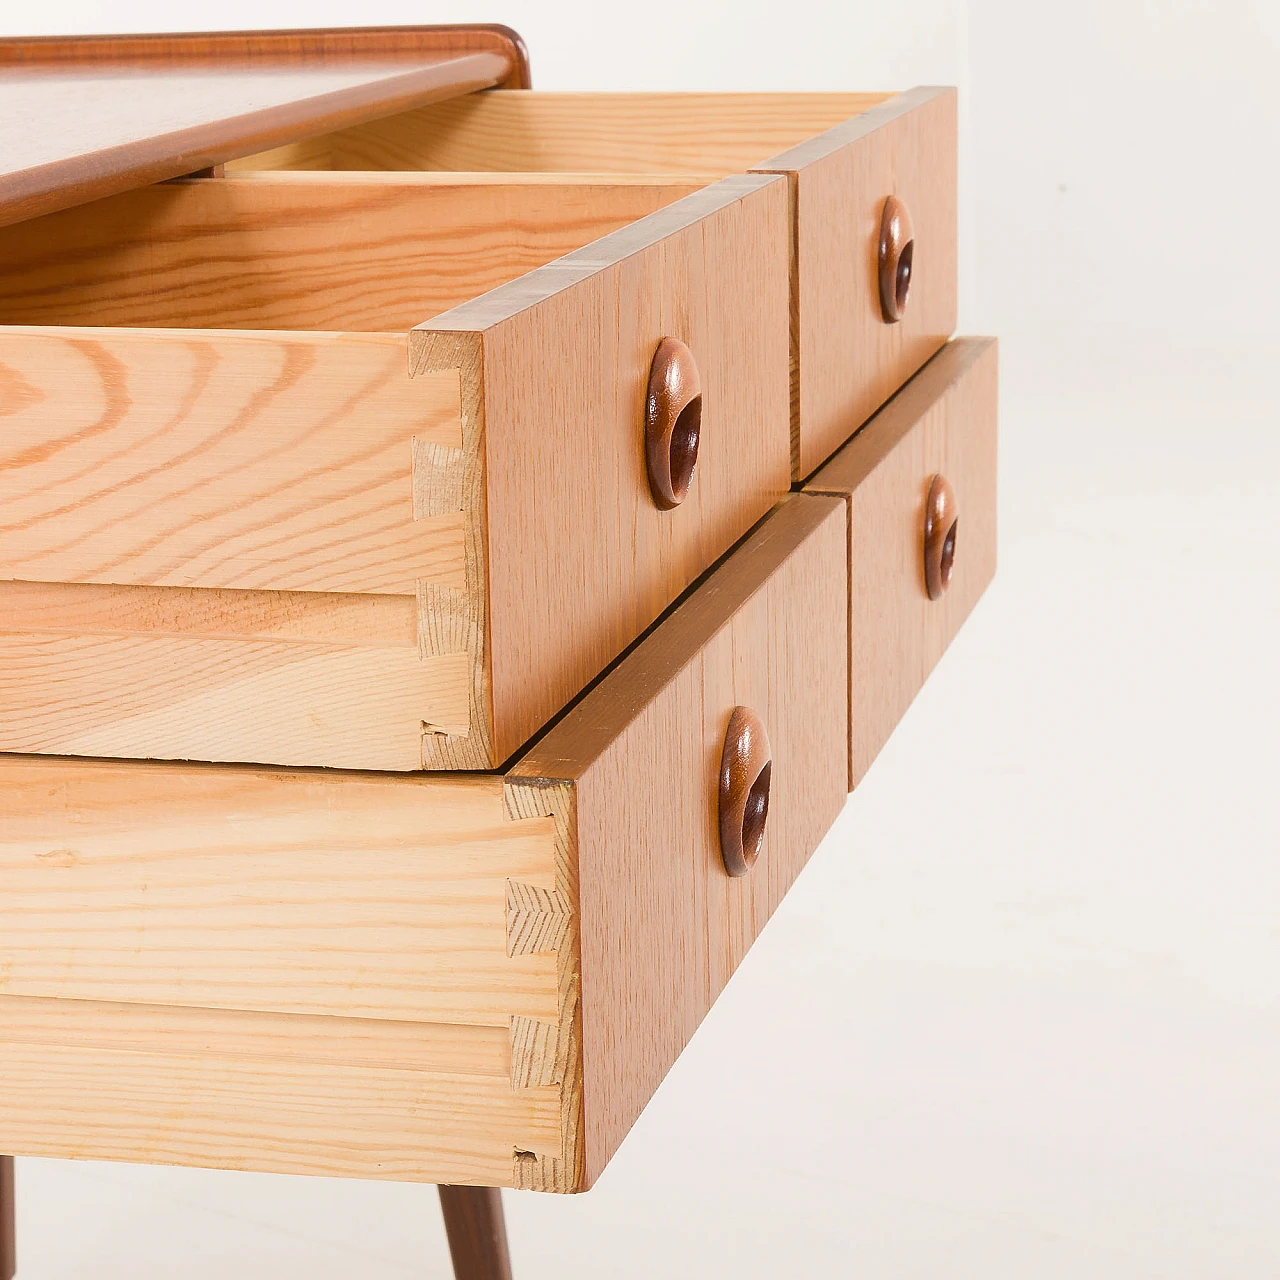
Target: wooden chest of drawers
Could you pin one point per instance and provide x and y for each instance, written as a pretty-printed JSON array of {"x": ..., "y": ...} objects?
[{"x": 427, "y": 655}]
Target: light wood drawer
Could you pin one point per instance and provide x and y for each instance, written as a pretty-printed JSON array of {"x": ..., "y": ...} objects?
[
  {"x": 844, "y": 155},
  {"x": 453, "y": 978},
  {"x": 942, "y": 424},
  {"x": 301, "y": 468}
]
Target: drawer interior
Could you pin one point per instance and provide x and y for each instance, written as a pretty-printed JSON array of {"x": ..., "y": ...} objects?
[
  {"x": 704, "y": 136},
  {"x": 370, "y": 252}
]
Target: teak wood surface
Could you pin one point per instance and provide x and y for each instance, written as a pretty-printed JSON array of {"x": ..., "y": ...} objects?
[
  {"x": 943, "y": 422},
  {"x": 116, "y": 112},
  {"x": 472, "y": 980}
]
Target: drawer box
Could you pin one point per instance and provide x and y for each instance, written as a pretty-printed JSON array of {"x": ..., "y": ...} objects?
[
  {"x": 290, "y": 475},
  {"x": 844, "y": 156},
  {"x": 910, "y": 537},
  {"x": 451, "y": 978}
]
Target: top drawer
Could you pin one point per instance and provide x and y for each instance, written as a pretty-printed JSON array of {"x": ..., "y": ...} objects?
[
  {"x": 252, "y": 513},
  {"x": 872, "y": 183}
]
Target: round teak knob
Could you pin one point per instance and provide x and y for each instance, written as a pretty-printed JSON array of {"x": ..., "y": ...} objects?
[
  {"x": 672, "y": 422},
  {"x": 940, "y": 520},
  {"x": 897, "y": 250},
  {"x": 745, "y": 770}
]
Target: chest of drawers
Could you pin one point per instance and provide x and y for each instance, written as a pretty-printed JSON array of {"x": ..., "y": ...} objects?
[{"x": 430, "y": 641}]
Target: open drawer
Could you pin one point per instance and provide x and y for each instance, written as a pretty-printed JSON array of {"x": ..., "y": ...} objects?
[
  {"x": 872, "y": 185},
  {"x": 452, "y": 978},
  {"x": 291, "y": 474}
]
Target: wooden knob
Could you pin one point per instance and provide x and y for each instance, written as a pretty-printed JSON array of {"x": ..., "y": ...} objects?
[
  {"x": 745, "y": 769},
  {"x": 672, "y": 422},
  {"x": 897, "y": 249},
  {"x": 940, "y": 519}
]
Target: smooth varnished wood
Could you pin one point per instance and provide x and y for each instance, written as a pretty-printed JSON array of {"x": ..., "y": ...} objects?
[
  {"x": 672, "y": 422},
  {"x": 896, "y": 251},
  {"x": 634, "y": 770},
  {"x": 746, "y": 766},
  {"x": 846, "y": 360},
  {"x": 941, "y": 518},
  {"x": 477, "y": 1232},
  {"x": 87, "y": 116},
  {"x": 554, "y": 369},
  {"x": 943, "y": 422}
]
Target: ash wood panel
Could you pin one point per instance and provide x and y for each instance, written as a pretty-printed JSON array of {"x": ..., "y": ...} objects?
[
  {"x": 555, "y": 366},
  {"x": 251, "y": 889},
  {"x": 272, "y": 460},
  {"x": 117, "y": 112},
  {"x": 379, "y": 252},
  {"x": 663, "y": 927},
  {"x": 696, "y": 134},
  {"x": 846, "y": 360},
  {"x": 942, "y": 421}
]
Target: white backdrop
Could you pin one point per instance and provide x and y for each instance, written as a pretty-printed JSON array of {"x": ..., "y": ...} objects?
[{"x": 1021, "y": 1015}]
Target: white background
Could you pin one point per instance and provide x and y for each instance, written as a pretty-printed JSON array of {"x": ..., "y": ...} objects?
[{"x": 1021, "y": 1015}]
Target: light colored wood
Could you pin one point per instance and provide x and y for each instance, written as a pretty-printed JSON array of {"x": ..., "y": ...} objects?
[
  {"x": 339, "y": 1097},
  {"x": 84, "y": 608},
  {"x": 695, "y": 134},
  {"x": 278, "y": 461},
  {"x": 217, "y": 547},
  {"x": 379, "y": 252},
  {"x": 942, "y": 422},
  {"x": 317, "y": 893},
  {"x": 663, "y": 926},
  {"x": 554, "y": 369},
  {"x": 846, "y": 360}
]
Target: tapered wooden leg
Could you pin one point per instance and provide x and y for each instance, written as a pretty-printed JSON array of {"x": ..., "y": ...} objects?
[
  {"x": 477, "y": 1232},
  {"x": 8, "y": 1221}
]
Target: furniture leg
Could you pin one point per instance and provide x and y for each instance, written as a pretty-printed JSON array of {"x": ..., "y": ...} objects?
[
  {"x": 8, "y": 1223},
  {"x": 477, "y": 1232}
]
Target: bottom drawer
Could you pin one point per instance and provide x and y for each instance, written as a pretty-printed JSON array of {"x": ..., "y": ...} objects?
[
  {"x": 468, "y": 978},
  {"x": 920, "y": 481}
]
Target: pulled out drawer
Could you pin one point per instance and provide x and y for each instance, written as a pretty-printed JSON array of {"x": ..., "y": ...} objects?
[
  {"x": 292, "y": 471},
  {"x": 920, "y": 481},
  {"x": 872, "y": 185},
  {"x": 452, "y": 978}
]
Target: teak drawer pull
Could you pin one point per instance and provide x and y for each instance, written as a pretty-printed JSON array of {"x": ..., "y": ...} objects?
[
  {"x": 897, "y": 250},
  {"x": 745, "y": 770},
  {"x": 940, "y": 520},
  {"x": 672, "y": 422}
]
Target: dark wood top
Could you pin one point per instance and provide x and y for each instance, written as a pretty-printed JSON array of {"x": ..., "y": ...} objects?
[{"x": 87, "y": 116}]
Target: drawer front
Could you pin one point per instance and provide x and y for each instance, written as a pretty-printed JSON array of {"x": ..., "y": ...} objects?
[
  {"x": 552, "y": 480},
  {"x": 631, "y": 774},
  {"x": 942, "y": 423},
  {"x": 848, "y": 356},
  {"x": 277, "y": 534},
  {"x": 470, "y": 979}
]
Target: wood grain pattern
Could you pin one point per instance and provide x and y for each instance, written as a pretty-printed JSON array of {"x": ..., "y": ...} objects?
[
  {"x": 117, "y": 112},
  {"x": 245, "y": 889},
  {"x": 663, "y": 926},
  {"x": 702, "y": 135},
  {"x": 555, "y": 369},
  {"x": 280, "y": 1095},
  {"x": 943, "y": 420},
  {"x": 160, "y": 458},
  {"x": 372, "y": 252},
  {"x": 846, "y": 360}
]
